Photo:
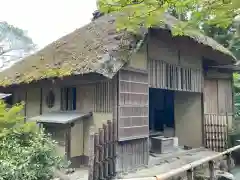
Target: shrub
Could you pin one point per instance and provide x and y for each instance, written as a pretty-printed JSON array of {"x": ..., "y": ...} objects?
[{"x": 26, "y": 153}]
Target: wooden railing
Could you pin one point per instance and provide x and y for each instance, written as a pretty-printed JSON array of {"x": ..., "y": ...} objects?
[
  {"x": 102, "y": 152},
  {"x": 190, "y": 168}
]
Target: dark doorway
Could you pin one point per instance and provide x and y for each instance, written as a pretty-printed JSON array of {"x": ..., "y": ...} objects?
[{"x": 161, "y": 110}]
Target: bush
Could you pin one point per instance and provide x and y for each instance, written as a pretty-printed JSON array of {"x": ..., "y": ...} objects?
[{"x": 26, "y": 153}]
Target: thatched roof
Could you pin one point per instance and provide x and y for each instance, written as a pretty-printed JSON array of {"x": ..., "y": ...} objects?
[{"x": 96, "y": 47}]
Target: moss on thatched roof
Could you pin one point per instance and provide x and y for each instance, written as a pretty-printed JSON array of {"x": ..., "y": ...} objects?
[{"x": 96, "y": 47}]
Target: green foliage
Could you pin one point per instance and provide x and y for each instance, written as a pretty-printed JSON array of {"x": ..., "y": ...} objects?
[
  {"x": 148, "y": 13},
  {"x": 26, "y": 153}
]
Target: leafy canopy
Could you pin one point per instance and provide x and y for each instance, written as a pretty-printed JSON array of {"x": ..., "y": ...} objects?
[{"x": 148, "y": 13}]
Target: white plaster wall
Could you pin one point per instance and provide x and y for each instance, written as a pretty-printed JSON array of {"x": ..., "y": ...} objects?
[
  {"x": 77, "y": 132},
  {"x": 189, "y": 58},
  {"x": 33, "y": 102},
  {"x": 163, "y": 49},
  {"x": 188, "y": 118}
]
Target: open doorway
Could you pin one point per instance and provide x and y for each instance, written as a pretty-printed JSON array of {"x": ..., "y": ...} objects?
[{"x": 161, "y": 112}]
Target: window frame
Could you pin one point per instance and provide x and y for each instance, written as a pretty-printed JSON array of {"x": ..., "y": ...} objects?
[{"x": 68, "y": 101}]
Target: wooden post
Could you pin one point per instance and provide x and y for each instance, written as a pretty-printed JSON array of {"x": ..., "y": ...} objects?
[
  {"x": 91, "y": 154},
  {"x": 227, "y": 132},
  {"x": 115, "y": 136},
  {"x": 106, "y": 159},
  {"x": 211, "y": 170},
  {"x": 68, "y": 142},
  {"x": 101, "y": 153},
  {"x": 190, "y": 174},
  {"x": 228, "y": 157},
  {"x": 96, "y": 151},
  {"x": 110, "y": 150}
]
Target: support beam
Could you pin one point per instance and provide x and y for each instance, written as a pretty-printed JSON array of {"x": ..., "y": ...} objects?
[
  {"x": 190, "y": 174},
  {"x": 211, "y": 170},
  {"x": 68, "y": 142},
  {"x": 228, "y": 158}
]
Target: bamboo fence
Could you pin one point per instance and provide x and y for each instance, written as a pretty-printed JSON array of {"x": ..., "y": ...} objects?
[{"x": 102, "y": 150}]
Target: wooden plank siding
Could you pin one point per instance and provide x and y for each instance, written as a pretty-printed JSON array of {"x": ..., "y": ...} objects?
[
  {"x": 103, "y": 97},
  {"x": 132, "y": 154},
  {"x": 225, "y": 97},
  {"x": 218, "y": 96},
  {"x": 174, "y": 77},
  {"x": 218, "y": 112},
  {"x": 132, "y": 119},
  {"x": 133, "y": 105}
]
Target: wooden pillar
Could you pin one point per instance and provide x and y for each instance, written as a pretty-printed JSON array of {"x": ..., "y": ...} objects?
[
  {"x": 211, "y": 170},
  {"x": 91, "y": 154},
  {"x": 227, "y": 133},
  {"x": 204, "y": 143},
  {"x": 190, "y": 174},
  {"x": 228, "y": 157},
  {"x": 68, "y": 142}
]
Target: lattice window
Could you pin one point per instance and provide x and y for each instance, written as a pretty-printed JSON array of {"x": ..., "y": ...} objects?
[
  {"x": 133, "y": 105},
  {"x": 68, "y": 98}
]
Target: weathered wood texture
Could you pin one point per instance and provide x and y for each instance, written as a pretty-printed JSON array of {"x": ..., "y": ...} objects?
[
  {"x": 174, "y": 77},
  {"x": 215, "y": 132},
  {"x": 115, "y": 97},
  {"x": 96, "y": 97},
  {"x": 91, "y": 155},
  {"x": 132, "y": 154},
  {"x": 102, "y": 97},
  {"x": 133, "y": 105},
  {"x": 218, "y": 112},
  {"x": 103, "y": 166}
]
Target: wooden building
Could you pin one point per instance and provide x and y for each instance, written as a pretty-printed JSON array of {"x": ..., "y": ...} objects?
[{"x": 148, "y": 85}]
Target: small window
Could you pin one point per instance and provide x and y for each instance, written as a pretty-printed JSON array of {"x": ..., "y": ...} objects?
[
  {"x": 50, "y": 99},
  {"x": 68, "y": 99}
]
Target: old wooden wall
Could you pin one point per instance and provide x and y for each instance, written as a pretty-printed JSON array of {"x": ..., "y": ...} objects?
[
  {"x": 133, "y": 105},
  {"x": 218, "y": 109},
  {"x": 131, "y": 112},
  {"x": 174, "y": 77},
  {"x": 133, "y": 129},
  {"x": 172, "y": 66}
]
